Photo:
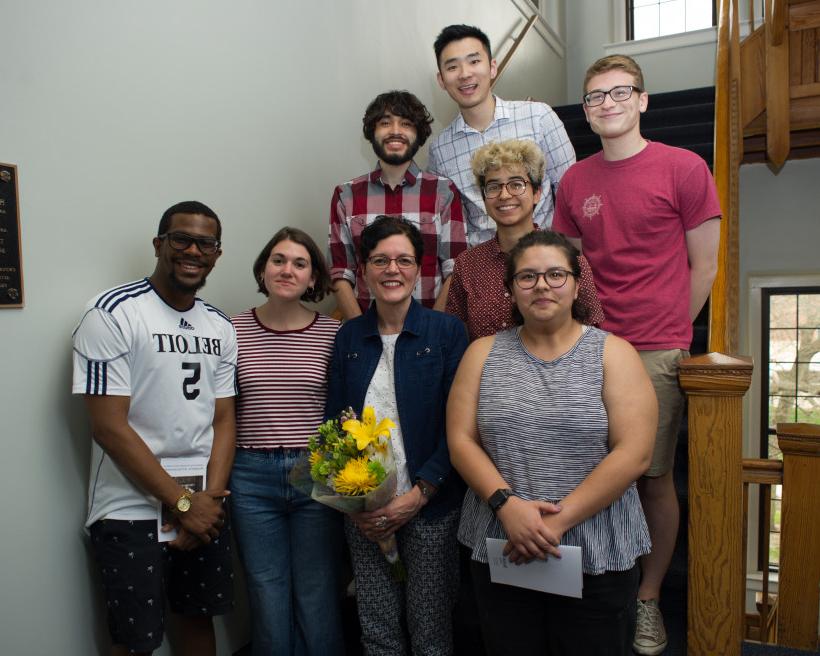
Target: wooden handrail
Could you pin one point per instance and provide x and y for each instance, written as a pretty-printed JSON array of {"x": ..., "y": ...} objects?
[
  {"x": 765, "y": 473},
  {"x": 798, "y": 598},
  {"x": 762, "y": 471},
  {"x": 517, "y": 42},
  {"x": 727, "y": 155},
  {"x": 715, "y": 385},
  {"x": 778, "y": 126}
]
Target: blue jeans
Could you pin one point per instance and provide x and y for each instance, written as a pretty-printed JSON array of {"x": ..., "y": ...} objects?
[{"x": 291, "y": 548}]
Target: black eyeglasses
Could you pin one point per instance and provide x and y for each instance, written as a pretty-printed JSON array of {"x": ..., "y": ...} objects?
[
  {"x": 181, "y": 241},
  {"x": 514, "y": 187},
  {"x": 555, "y": 278},
  {"x": 382, "y": 261},
  {"x": 618, "y": 94}
]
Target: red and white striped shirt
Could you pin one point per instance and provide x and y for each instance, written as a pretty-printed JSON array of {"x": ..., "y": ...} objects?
[{"x": 282, "y": 377}]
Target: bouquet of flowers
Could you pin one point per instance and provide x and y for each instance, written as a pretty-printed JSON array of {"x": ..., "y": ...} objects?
[{"x": 350, "y": 467}]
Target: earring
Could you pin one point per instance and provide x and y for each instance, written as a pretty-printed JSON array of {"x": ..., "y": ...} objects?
[{"x": 309, "y": 291}]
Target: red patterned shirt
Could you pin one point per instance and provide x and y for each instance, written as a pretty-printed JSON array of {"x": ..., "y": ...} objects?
[
  {"x": 479, "y": 298},
  {"x": 431, "y": 203}
]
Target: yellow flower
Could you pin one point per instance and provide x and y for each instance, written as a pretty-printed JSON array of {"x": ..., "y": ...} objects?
[
  {"x": 314, "y": 457},
  {"x": 366, "y": 430},
  {"x": 355, "y": 479}
]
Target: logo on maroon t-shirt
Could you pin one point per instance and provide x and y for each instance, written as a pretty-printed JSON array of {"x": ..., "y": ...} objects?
[{"x": 592, "y": 206}]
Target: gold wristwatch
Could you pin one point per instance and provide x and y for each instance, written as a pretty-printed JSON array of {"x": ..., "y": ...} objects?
[{"x": 183, "y": 504}]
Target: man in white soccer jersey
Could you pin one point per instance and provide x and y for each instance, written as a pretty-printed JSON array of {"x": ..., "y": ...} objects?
[{"x": 156, "y": 366}]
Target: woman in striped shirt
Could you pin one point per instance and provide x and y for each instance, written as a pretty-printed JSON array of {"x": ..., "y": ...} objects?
[
  {"x": 550, "y": 424},
  {"x": 290, "y": 545}
]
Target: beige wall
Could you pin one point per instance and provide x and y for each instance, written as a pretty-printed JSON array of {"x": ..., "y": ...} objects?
[{"x": 113, "y": 111}]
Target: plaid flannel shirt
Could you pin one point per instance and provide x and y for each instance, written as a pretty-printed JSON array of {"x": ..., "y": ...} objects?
[
  {"x": 430, "y": 202},
  {"x": 452, "y": 150}
]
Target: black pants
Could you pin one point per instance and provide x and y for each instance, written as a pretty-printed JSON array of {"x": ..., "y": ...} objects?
[{"x": 519, "y": 622}]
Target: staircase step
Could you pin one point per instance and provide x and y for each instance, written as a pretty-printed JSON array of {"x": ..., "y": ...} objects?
[
  {"x": 676, "y": 135},
  {"x": 682, "y": 98},
  {"x": 659, "y": 116}
]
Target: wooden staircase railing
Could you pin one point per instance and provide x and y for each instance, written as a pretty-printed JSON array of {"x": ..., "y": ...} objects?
[
  {"x": 718, "y": 485},
  {"x": 765, "y": 474},
  {"x": 767, "y": 108},
  {"x": 516, "y": 42},
  {"x": 715, "y": 385},
  {"x": 799, "y": 586}
]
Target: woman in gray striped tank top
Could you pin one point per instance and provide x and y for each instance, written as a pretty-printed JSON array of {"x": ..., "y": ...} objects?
[{"x": 550, "y": 424}]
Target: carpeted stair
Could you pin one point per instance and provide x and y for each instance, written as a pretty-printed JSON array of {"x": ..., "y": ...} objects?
[{"x": 679, "y": 118}]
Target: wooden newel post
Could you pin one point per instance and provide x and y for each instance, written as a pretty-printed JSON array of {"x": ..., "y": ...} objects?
[
  {"x": 715, "y": 385},
  {"x": 799, "y": 536}
]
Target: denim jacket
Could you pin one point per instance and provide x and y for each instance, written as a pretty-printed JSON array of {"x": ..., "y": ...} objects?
[{"x": 428, "y": 352}]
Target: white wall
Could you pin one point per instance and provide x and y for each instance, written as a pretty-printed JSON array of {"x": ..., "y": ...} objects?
[
  {"x": 113, "y": 111},
  {"x": 779, "y": 238}
]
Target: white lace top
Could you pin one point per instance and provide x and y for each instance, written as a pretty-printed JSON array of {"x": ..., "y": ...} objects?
[{"x": 381, "y": 394}]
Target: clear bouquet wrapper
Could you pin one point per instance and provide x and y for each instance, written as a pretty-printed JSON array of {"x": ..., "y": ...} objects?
[{"x": 353, "y": 456}]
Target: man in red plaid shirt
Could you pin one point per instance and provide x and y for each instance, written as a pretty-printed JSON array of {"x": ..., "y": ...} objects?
[{"x": 396, "y": 124}]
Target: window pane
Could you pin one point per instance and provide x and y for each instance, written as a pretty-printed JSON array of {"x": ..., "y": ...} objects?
[
  {"x": 644, "y": 3},
  {"x": 809, "y": 305},
  {"x": 808, "y": 409},
  {"x": 782, "y": 345},
  {"x": 782, "y": 379},
  {"x": 774, "y": 549},
  {"x": 808, "y": 381},
  {"x": 776, "y": 515},
  {"x": 698, "y": 14},
  {"x": 645, "y": 22},
  {"x": 808, "y": 344},
  {"x": 782, "y": 409},
  {"x": 783, "y": 311},
  {"x": 672, "y": 17},
  {"x": 774, "y": 451},
  {"x": 774, "y": 531}
]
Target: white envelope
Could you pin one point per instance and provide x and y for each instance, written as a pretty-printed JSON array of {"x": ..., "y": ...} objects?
[{"x": 561, "y": 576}]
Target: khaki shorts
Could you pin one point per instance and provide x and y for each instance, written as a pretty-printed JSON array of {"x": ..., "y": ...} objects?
[{"x": 662, "y": 367}]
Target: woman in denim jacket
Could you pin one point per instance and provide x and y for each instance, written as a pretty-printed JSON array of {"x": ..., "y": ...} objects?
[{"x": 400, "y": 358}]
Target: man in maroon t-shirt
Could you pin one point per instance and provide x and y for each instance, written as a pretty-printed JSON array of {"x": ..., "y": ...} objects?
[{"x": 647, "y": 216}]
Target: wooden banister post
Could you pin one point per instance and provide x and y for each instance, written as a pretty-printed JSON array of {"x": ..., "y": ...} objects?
[
  {"x": 798, "y": 598},
  {"x": 715, "y": 385}
]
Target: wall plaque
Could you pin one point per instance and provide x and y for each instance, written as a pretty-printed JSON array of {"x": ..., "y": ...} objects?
[{"x": 11, "y": 266}]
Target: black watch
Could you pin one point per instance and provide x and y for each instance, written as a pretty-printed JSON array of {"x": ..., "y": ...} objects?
[{"x": 499, "y": 498}]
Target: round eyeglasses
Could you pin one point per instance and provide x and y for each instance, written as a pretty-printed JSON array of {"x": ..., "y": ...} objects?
[
  {"x": 618, "y": 94},
  {"x": 382, "y": 261},
  {"x": 555, "y": 278},
  {"x": 514, "y": 188},
  {"x": 181, "y": 241}
]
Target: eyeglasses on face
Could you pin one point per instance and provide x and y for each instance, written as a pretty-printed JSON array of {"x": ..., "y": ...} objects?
[
  {"x": 555, "y": 278},
  {"x": 382, "y": 261},
  {"x": 618, "y": 94},
  {"x": 514, "y": 187},
  {"x": 181, "y": 241}
]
